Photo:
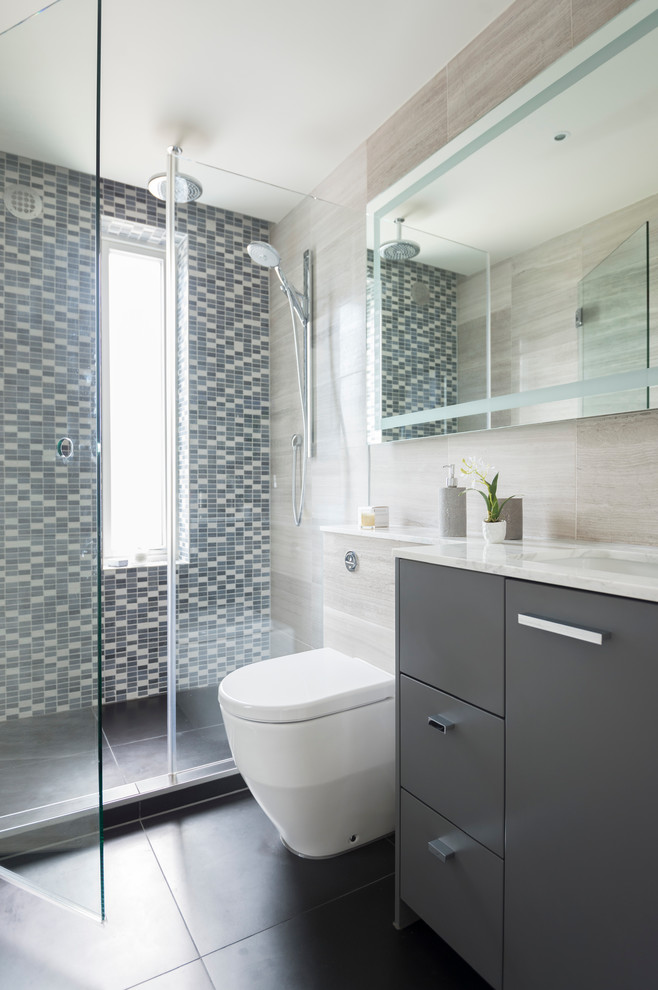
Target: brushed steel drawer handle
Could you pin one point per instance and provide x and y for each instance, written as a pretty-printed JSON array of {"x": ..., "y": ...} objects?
[
  {"x": 440, "y": 849},
  {"x": 440, "y": 722},
  {"x": 564, "y": 629}
]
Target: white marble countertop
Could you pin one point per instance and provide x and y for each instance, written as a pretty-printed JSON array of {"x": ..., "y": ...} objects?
[
  {"x": 399, "y": 534},
  {"x": 614, "y": 569}
]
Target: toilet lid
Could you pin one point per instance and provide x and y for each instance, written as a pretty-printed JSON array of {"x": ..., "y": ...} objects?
[{"x": 302, "y": 686}]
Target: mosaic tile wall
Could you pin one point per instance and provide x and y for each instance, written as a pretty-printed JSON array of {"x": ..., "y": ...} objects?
[
  {"x": 223, "y": 603},
  {"x": 418, "y": 343},
  {"x": 47, "y": 629},
  {"x": 48, "y": 621}
]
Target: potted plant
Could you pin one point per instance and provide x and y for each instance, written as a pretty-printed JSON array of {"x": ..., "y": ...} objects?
[{"x": 493, "y": 527}]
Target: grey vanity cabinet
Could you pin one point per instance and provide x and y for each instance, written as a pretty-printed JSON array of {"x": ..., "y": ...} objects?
[
  {"x": 450, "y": 760},
  {"x": 581, "y": 862},
  {"x": 539, "y": 866}
]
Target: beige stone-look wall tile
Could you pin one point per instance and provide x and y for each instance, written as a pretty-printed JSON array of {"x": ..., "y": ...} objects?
[
  {"x": 337, "y": 474},
  {"x": 472, "y": 345},
  {"x": 360, "y": 637},
  {"x": 406, "y": 476},
  {"x": 348, "y": 184},
  {"x": 543, "y": 306},
  {"x": 412, "y": 134},
  {"x": 618, "y": 478},
  {"x": 359, "y": 606},
  {"x": 340, "y": 484},
  {"x": 369, "y": 591},
  {"x": 287, "y": 594},
  {"x": 536, "y": 462},
  {"x": 543, "y": 337},
  {"x": 339, "y": 412},
  {"x": 526, "y": 38},
  {"x": 604, "y": 236},
  {"x": 589, "y": 15}
]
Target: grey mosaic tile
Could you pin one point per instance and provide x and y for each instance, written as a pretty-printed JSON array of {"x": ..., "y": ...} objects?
[
  {"x": 47, "y": 593},
  {"x": 47, "y": 363},
  {"x": 418, "y": 350}
]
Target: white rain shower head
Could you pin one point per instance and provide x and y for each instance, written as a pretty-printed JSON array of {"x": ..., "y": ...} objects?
[{"x": 186, "y": 189}]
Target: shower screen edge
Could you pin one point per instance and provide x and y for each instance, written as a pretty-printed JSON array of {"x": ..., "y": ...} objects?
[
  {"x": 171, "y": 495},
  {"x": 308, "y": 345}
]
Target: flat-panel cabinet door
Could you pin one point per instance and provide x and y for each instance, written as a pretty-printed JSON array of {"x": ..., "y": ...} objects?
[
  {"x": 451, "y": 631},
  {"x": 581, "y": 867}
]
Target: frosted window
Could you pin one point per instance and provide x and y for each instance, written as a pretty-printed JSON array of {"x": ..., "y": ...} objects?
[{"x": 134, "y": 412}]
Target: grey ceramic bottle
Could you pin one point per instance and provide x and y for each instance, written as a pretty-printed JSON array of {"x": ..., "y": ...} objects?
[{"x": 452, "y": 506}]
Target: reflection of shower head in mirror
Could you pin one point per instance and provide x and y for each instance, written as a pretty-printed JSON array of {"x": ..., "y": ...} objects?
[{"x": 399, "y": 250}]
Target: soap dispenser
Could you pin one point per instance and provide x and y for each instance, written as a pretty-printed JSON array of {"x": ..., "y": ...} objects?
[{"x": 452, "y": 506}]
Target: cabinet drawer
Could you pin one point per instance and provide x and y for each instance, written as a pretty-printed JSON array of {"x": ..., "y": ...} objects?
[
  {"x": 451, "y": 631},
  {"x": 461, "y": 898},
  {"x": 459, "y": 771}
]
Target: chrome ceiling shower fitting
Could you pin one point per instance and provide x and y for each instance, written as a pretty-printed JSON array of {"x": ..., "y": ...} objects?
[
  {"x": 186, "y": 189},
  {"x": 399, "y": 250}
]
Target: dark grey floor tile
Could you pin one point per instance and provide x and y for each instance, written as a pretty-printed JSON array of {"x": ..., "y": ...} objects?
[
  {"x": 61, "y": 735},
  {"x": 112, "y": 776},
  {"x": 142, "y": 759},
  {"x": 194, "y": 747},
  {"x": 231, "y": 875},
  {"x": 36, "y": 852},
  {"x": 200, "y": 706},
  {"x": 44, "y": 946},
  {"x": 199, "y": 746},
  {"x": 191, "y": 977},
  {"x": 348, "y": 944},
  {"x": 47, "y": 780},
  {"x": 143, "y": 718}
]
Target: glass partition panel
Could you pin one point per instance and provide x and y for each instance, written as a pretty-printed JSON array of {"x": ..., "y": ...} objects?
[
  {"x": 616, "y": 294},
  {"x": 50, "y": 837},
  {"x": 222, "y": 499}
]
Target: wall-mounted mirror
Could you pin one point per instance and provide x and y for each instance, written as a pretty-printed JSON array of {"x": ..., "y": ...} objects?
[{"x": 510, "y": 276}]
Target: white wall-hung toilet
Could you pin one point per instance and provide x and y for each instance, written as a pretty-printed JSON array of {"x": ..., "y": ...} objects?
[{"x": 313, "y": 735}]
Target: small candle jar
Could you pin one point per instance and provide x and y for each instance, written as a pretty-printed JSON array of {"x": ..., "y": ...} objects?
[{"x": 366, "y": 517}]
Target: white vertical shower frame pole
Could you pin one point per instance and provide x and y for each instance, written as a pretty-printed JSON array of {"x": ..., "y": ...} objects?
[{"x": 171, "y": 451}]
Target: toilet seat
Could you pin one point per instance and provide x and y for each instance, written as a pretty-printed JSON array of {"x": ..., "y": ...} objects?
[{"x": 303, "y": 686}]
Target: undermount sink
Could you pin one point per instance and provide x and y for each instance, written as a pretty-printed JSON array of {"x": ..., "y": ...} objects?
[{"x": 607, "y": 561}]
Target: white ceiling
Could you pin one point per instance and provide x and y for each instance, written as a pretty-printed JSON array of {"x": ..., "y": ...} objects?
[{"x": 279, "y": 91}]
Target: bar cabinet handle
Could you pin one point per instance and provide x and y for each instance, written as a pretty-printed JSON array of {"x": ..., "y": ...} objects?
[
  {"x": 440, "y": 849},
  {"x": 440, "y": 722},
  {"x": 564, "y": 629}
]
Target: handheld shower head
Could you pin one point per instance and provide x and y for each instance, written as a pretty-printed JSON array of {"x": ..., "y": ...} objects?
[{"x": 264, "y": 254}]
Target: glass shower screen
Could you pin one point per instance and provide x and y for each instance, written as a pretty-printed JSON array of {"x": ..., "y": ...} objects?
[{"x": 50, "y": 834}]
